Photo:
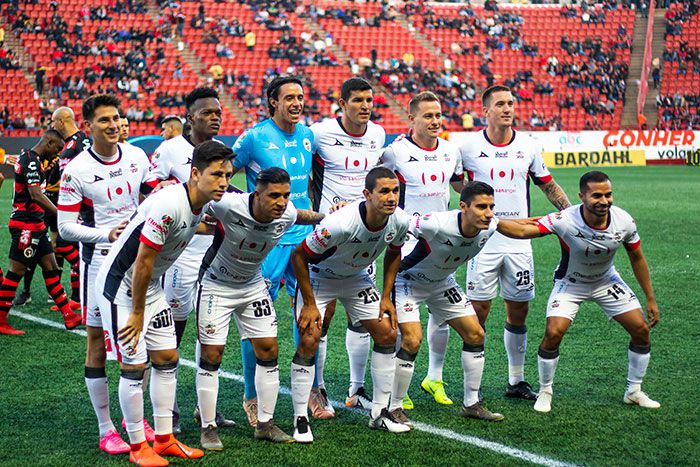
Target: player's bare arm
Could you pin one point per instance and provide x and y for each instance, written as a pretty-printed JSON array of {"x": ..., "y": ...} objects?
[
  {"x": 40, "y": 198},
  {"x": 309, "y": 316},
  {"x": 392, "y": 262},
  {"x": 641, "y": 273},
  {"x": 141, "y": 277},
  {"x": 308, "y": 217},
  {"x": 555, "y": 195},
  {"x": 519, "y": 228},
  {"x": 117, "y": 231},
  {"x": 457, "y": 185}
]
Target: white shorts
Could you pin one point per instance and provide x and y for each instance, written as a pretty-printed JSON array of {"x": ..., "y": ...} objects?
[
  {"x": 180, "y": 285},
  {"x": 611, "y": 294},
  {"x": 446, "y": 300},
  {"x": 358, "y": 294},
  {"x": 158, "y": 329},
  {"x": 250, "y": 304},
  {"x": 88, "y": 285},
  {"x": 515, "y": 272}
]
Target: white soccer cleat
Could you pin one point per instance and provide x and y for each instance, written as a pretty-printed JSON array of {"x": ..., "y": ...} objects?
[
  {"x": 641, "y": 399},
  {"x": 544, "y": 402},
  {"x": 302, "y": 431},
  {"x": 386, "y": 422}
]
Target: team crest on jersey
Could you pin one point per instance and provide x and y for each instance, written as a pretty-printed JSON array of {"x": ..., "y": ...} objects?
[
  {"x": 373, "y": 144},
  {"x": 279, "y": 228},
  {"x": 133, "y": 168},
  {"x": 408, "y": 307},
  {"x": 389, "y": 236},
  {"x": 555, "y": 304},
  {"x": 520, "y": 155},
  {"x": 307, "y": 144},
  {"x": 210, "y": 329},
  {"x": 482, "y": 242}
]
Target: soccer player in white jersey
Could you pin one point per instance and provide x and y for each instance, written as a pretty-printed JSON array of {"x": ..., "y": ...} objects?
[
  {"x": 426, "y": 166},
  {"x": 139, "y": 322},
  {"x": 590, "y": 234},
  {"x": 249, "y": 226},
  {"x": 444, "y": 241},
  {"x": 345, "y": 149},
  {"x": 172, "y": 161},
  {"x": 101, "y": 186},
  {"x": 507, "y": 160},
  {"x": 337, "y": 253}
]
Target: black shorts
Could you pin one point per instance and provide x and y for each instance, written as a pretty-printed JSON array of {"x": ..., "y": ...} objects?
[{"x": 29, "y": 247}]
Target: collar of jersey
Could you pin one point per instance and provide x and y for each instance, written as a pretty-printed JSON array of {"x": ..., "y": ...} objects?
[
  {"x": 498, "y": 145},
  {"x": 354, "y": 135},
  {"x": 187, "y": 194},
  {"x": 363, "y": 216},
  {"x": 410, "y": 138},
  {"x": 103, "y": 162},
  {"x": 607, "y": 224}
]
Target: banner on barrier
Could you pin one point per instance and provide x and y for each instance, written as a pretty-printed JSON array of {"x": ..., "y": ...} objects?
[{"x": 618, "y": 158}]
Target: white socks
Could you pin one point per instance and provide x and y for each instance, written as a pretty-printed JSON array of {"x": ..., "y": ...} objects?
[
  {"x": 267, "y": 385},
  {"x": 162, "y": 398},
  {"x": 357, "y": 342},
  {"x": 515, "y": 342},
  {"x": 207, "y": 383},
  {"x": 382, "y": 377},
  {"x": 131, "y": 403},
  {"x": 438, "y": 336},
  {"x": 403, "y": 373},
  {"x": 638, "y": 361},
  {"x": 303, "y": 370},
  {"x": 547, "y": 365},
  {"x": 98, "y": 389},
  {"x": 473, "y": 369}
]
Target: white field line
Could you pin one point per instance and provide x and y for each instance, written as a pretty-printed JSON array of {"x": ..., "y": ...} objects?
[{"x": 442, "y": 432}]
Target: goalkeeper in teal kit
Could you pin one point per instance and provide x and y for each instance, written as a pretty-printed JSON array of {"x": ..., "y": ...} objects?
[{"x": 279, "y": 141}]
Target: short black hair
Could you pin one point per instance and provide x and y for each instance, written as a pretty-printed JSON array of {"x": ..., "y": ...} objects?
[
  {"x": 473, "y": 189},
  {"x": 375, "y": 174},
  {"x": 486, "y": 95},
  {"x": 594, "y": 176},
  {"x": 199, "y": 93},
  {"x": 271, "y": 175},
  {"x": 99, "y": 100},
  {"x": 210, "y": 151},
  {"x": 51, "y": 133},
  {"x": 273, "y": 89},
  {"x": 353, "y": 84}
]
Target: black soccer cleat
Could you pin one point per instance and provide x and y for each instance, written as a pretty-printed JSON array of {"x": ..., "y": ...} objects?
[
  {"x": 522, "y": 390},
  {"x": 23, "y": 299}
]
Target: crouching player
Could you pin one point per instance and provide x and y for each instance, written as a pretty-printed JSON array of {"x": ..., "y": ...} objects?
[
  {"x": 137, "y": 319},
  {"x": 445, "y": 241},
  {"x": 590, "y": 233},
  {"x": 248, "y": 228}
]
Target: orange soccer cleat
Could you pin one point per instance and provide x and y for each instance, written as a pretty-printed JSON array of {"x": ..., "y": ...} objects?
[{"x": 167, "y": 445}]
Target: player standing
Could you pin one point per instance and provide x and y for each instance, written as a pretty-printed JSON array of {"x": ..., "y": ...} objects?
[
  {"x": 279, "y": 141},
  {"x": 331, "y": 264},
  {"x": 507, "y": 160},
  {"x": 30, "y": 243},
  {"x": 124, "y": 130},
  {"x": 171, "y": 127},
  {"x": 249, "y": 227},
  {"x": 172, "y": 161},
  {"x": 99, "y": 193},
  {"x": 426, "y": 166},
  {"x": 345, "y": 149},
  {"x": 590, "y": 234},
  {"x": 139, "y": 323}
]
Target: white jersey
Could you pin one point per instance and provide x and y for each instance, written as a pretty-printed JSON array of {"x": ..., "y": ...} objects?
[
  {"x": 441, "y": 247},
  {"x": 587, "y": 254},
  {"x": 166, "y": 223},
  {"x": 341, "y": 161},
  {"x": 102, "y": 193},
  {"x": 508, "y": 169},
  {"x": 172, "y": 160},
  {"x": 342, "y": 245},
  {"x": 424, "y": 174},
  {"x": 241, "y": 243}
]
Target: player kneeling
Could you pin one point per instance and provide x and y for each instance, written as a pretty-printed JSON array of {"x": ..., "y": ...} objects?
[
  {"x": 590, "y": 233},
  {"x": 445, "y": 241}
]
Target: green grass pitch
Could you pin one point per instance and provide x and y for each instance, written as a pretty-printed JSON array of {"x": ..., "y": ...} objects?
[{"x": 46, "y": 417}]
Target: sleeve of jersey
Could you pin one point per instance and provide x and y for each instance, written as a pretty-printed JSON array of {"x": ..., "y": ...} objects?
[
  {"x": 547, "y": 224},
  {"x": 403, "y": 224},
  {"x": 632, "y": 242},
  {"x": 70, "y": 195},
  {"x": 242, "y": 150},
  {"x": 324, "y": 237},
  {"x": 458, "y": 174},
  {"x": 538, "y": 170},
  {"x": 160, "y": 166},
  {"x": 424, "y": 226},
  {"x": 388, "y": 158},
  {"x": 156, "y": 228}
]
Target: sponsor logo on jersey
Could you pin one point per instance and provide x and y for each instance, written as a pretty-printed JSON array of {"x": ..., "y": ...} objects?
[
  {"x": 356, "y": 144},
  {"x": 290, "y": 144},
  {"x": 447, "y": 242},
  {"x": 483, "y": 154},
  {"x": 115, "y": 173},
  {"x": 272, "y": 146},
  {"x": 260, "y": 228},
  {"x": 501, "y": 154},
  {"x": 338, "y": 143},
  {"x": 97, "y": 179},
  {"x": 412, "y": 159},
  {"x": 166, "y": 220},
  {"x": 579, "y": 234},
  {"x": 430, "y": 158},
  {"x": 355, "y": 240},
  {"x": 555, "y": 304}
]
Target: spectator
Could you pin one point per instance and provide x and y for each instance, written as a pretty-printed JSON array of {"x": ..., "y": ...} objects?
[{"x": 250, "y": 40}]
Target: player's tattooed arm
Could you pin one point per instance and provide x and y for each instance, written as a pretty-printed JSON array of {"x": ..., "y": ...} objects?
[
  {"x": 555, "y": 195},
  {"x": 641, "y": 272},
  {"x": 308, "y": 217}
]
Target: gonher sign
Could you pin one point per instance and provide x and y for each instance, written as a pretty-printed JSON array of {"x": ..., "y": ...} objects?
[{"x": 594, "y": 158}]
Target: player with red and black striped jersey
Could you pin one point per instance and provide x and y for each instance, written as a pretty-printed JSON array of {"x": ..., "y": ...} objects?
[
  {"x": 507, "y": 160},
  {"x": 100, "y": 190},
  {"x": 427, "y": 166},
  {"x": 590, "y": 234},
  {"x": 30, "y": 241}
]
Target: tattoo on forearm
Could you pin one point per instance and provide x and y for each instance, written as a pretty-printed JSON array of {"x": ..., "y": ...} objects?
[
  {"x": 556, "y": 195},
  {"x": 307, "y": 217}
]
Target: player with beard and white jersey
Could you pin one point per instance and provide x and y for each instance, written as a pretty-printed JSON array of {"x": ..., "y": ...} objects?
[
  {"x": 139, "y": 322},
  {"x": 100, "y": 190},
  {"x": 426, "y": 166},
  {"x": 507, "y": 160},
  {"x": 345, "y": 150},
  {"x": 172, "y": 161},
  {"x": 249, "y": 225},
  {"x": 590, "y": 234}
]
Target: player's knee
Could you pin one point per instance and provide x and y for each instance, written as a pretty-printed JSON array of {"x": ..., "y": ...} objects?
[
  {"x": 208, "y": 365},
  {"x": 164, "y": 357},
  {"x": 641, "y": 333},
  {"x": 266, "y": 349},
  {"x": 212, "y": 354},
  {"x": 411, "y": 342},
  {"x": 308, "y": 343},
  {"x": 475, "y": 336},
  {"x": 385, "y": 338},
  {"x": 553, "y": 337}
]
